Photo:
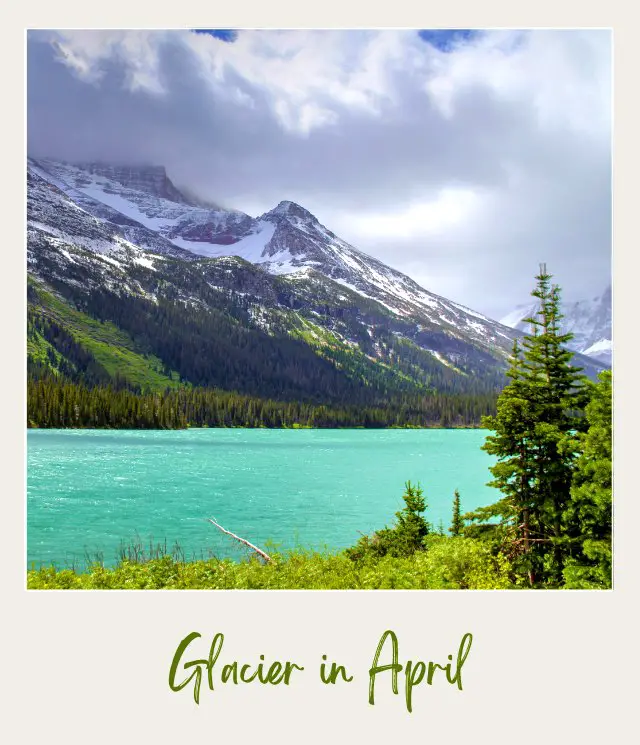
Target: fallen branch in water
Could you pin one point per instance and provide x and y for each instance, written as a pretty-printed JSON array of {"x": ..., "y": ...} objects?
[{"x": 259, "y": 551}]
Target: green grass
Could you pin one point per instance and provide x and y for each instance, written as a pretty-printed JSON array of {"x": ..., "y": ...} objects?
[{"x": 448, "y": 563}]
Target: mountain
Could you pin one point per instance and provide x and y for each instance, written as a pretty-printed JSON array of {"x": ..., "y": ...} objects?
[
  {"x": 588, "y": 320},
  {"x": 132, "y": 280}
]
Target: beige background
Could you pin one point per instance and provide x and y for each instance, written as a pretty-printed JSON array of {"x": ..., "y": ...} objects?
[{"x": 552, "y": 667}]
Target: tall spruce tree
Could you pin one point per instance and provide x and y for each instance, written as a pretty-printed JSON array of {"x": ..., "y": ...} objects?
[
  {"x": 542, "y": 404},
  {"x": 589, "y": 512}
]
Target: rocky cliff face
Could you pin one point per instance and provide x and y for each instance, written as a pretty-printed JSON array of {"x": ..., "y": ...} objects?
[{"x": 151, "y": 180}]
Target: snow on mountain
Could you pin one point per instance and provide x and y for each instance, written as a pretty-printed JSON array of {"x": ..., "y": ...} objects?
[
  {"x": 143, "y": 201},
  {"x": 249, "y": 247},
  {"x": 588, "y": 320},
  {"x": 300, "y": 241},
  {"x": 150, "y": 179},
  {"x": 602, "y": 350},
  {"x": 152, "y": 213},
  {"x": 128, "y": 230},
  {"x": 55, "y": 209}
]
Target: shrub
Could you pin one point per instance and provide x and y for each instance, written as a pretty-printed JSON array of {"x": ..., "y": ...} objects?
[{"x": 466, "y": 564}]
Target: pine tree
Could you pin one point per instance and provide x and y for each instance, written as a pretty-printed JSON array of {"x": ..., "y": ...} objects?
[
  {"x": 589, "y": 512},
  {"x": 535, "y": 412},
  {"x": 411, "y": 527},
  {"x": 457, "y": 523}
]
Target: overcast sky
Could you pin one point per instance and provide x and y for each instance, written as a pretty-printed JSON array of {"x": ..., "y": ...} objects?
[{"x": 462, "y": 159}]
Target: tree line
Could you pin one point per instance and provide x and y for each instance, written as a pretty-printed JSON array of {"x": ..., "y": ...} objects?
[{"x": 54, "y": 402}]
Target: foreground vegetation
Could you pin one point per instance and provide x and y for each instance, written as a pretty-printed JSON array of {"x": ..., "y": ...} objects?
[{"x": 449, "y": 563}]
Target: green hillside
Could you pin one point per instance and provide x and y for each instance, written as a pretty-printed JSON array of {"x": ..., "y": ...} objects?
[{"x": 66, "y": 342}]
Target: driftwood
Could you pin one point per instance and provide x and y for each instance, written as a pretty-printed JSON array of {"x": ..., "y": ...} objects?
[{"x": 265, "y": 557}]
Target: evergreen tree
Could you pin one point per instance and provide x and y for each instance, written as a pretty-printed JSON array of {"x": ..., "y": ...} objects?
[
  {"x": 590, "y": 507},
  {"x": 535, "y": 412},
  {"x": 407, "y": 535},
  {"x": 411, "y": 527},
  {"x": 457, "y": 522}
]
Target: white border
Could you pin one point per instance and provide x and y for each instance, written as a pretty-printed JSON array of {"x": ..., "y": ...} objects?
[{"x": 551, "y": 667}]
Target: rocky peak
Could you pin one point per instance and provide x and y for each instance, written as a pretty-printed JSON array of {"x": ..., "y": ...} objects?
[
  {"x": 149, "y": 179},
  {"x": 291, "y": 211}
]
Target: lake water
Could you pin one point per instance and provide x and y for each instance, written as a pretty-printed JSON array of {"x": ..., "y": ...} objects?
[{"x": 89, "y": 490}]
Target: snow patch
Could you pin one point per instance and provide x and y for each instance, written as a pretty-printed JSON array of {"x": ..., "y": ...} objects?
[
  {"x": 348, "y": 285},
  {"x": 603, "y": 345},
  {"x": 249, "y": 248},
  {"x": 111, "y": 260},
  {"x": 442, "y": 359},
  {"x": 143, "y": 261},
  {"x": 66, "y": 254}
]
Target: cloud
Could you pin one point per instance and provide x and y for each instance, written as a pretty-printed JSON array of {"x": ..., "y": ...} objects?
[
  {"x": 463, "y": 161},
  {"x": 450, "y": 209}
]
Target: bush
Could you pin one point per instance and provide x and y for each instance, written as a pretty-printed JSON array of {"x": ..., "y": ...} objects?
[{"x": 466, "y": 564}]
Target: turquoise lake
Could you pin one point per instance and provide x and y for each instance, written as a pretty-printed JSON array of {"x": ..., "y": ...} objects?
[{"x": 90, "y": 490}]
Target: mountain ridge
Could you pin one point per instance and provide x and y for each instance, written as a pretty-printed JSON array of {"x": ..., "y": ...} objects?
[{"x": 134, "y": 258}]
